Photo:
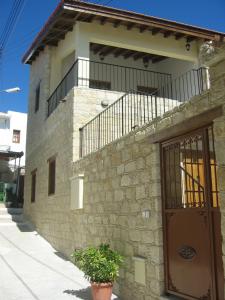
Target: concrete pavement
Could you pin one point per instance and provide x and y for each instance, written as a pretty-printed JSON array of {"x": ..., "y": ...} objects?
[{"x": 31, "y": 269}]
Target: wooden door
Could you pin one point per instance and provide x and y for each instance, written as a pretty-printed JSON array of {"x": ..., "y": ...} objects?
[{"x": 191, "y": 217}]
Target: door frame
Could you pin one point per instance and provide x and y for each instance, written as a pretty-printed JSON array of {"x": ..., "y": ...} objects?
[{"x": 207, "y": 174}]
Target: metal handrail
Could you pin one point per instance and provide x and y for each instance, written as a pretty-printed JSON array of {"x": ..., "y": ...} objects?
[
  {"x": 135, "y": 109},
  {"x": 101, "y": 75}
]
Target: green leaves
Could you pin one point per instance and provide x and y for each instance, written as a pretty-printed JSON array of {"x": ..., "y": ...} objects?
[{"x": 100, "y": 264}]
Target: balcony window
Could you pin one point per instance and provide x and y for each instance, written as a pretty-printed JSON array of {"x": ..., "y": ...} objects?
[
  {"x": 146, "y": 89},
  {"x": 100, "y": 85},
  {"x": 16, "y": 136}
]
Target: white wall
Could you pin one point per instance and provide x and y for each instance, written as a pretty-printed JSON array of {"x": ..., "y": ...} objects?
[
  {"x": 85, "y": 33},
  {"x": 58, "y": 54},
  {"x": 13, "y": 121},
  {"x": 141, "y": 77},
  {"x": 4, "y": 131}
]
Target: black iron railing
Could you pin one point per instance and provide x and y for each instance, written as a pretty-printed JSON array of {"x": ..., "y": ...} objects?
[
  {"x": 186, "y": 86},
  {"x": 136, "y": 109},
  {"x": 67, "y": 83},
  {"x": 100, "y": 75}
]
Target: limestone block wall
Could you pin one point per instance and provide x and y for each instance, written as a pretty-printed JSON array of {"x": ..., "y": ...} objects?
[
  {"x": 39, "y": 73},
  {"x": 122, "y": 184},
  {"x": 49, "y": 212},
  {"x": 57, "y": 135},
  {"x": 87, "y": 104},
  {"x": 123, "y": 180}
]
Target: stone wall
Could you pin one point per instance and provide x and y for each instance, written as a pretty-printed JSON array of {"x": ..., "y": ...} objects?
[
  {"x": 56, "y": 135},
  {"x": 121, "y": 183}
]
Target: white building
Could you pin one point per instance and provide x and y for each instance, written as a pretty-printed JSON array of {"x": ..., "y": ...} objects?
[{"x": 13, "y": 129}]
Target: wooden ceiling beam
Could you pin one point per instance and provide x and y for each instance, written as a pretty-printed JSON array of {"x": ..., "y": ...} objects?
[
  {"x": 107, "y": 51},
  {"x": 139, "y": 55},
  {"x": 58, "y": 29},
  {"x": 130, "y": 26},
  {"x": 129, "y": 54},
  {"x": 117, "y": 24},
  {"x": 158, "y": 59},
  {"x": 78, "y": 15},
  {"x": 166, "y": 34},
  {"x": 103, "y": 20},
  {"x": 155, "y": 31},
  {"x": 143, "y": 29},
  {"x": 89, "y": 19},
  {"x": 119, "y": 52},
  {"x": 149, "y": 56},
  {"x": 179, "y": 36},
  {"x": 52, "y": 43},
  {"x": 98, "y": 49},
  {"x": 66, "y": 20},
  {"x": 191, "y": 39}
]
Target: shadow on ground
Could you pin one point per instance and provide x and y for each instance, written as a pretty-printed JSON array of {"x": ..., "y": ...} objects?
[
  {"x": 61, "y": 255},
  {"x": 84, "y": 294},
  {"x": 25, "y": 227}
]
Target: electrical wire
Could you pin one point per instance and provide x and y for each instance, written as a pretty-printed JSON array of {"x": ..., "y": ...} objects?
[
  {"x": 11, "y": 22},
  {"x": 14, "y": 15}
]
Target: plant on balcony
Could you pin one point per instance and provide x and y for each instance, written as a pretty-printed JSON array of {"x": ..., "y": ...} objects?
[{"x": 101, "y": 267}]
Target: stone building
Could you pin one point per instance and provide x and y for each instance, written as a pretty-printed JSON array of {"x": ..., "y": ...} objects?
[{"x": 125, "y": 140}]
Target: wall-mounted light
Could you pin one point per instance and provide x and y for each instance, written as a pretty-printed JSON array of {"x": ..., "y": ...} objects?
[
  {"x": 104, "y": 103},
  {"x": 188, "y": 46}
]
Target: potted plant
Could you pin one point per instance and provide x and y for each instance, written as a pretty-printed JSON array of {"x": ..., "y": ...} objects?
[{"x": 101, "y": 267}]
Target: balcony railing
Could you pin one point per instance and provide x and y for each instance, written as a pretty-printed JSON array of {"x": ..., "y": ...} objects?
[
  {"x": 136, "y": 109},
  {"x": 100, "y": 75}
]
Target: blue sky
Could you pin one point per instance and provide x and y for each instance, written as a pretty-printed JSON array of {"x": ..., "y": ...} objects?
[{"x": 204, "y": 13}]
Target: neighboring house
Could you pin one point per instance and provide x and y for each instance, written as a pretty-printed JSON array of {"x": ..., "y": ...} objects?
[
  {"x": 13, "y": 130},
  {"x": 115, "y": 88}
]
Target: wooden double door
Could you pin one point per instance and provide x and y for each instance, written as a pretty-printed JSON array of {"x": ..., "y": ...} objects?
[{"x": 191, "y": 217}]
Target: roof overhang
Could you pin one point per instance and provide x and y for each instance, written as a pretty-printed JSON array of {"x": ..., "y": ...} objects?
[
  {"x": 8, "y": 155},
  {"x": 68, "y": 12}
]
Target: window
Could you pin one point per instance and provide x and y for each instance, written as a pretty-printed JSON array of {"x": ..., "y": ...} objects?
[
  {"x": 146, "y": 89},
  {"x": 51, "y": 175},
  {"x": 33, "y": 185},
  {"x": 37, "y": 97},
  {"x": 16, "y": 136},
  {"x": 100, "y": 85}
]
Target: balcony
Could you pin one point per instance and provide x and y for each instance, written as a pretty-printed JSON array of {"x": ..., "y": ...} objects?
[
  {"x": 147, "y": 95},
  {"x": 136, "y": 109},
  {"x": 104, "y": 76}
]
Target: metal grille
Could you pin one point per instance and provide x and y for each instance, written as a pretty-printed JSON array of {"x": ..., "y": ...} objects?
[
  {"x": 100, "y": 75},
  {"x": 185, "y": 169}
]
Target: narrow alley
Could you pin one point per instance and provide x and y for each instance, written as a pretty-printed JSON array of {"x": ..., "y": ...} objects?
[{"x": 31, "y": 268}]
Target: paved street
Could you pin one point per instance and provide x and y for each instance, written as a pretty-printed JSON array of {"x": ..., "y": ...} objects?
[{"x": 31, "y": 269}]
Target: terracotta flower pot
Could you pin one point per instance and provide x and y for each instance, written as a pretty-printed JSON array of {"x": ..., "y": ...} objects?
[{"x": 101, "y": 291}]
